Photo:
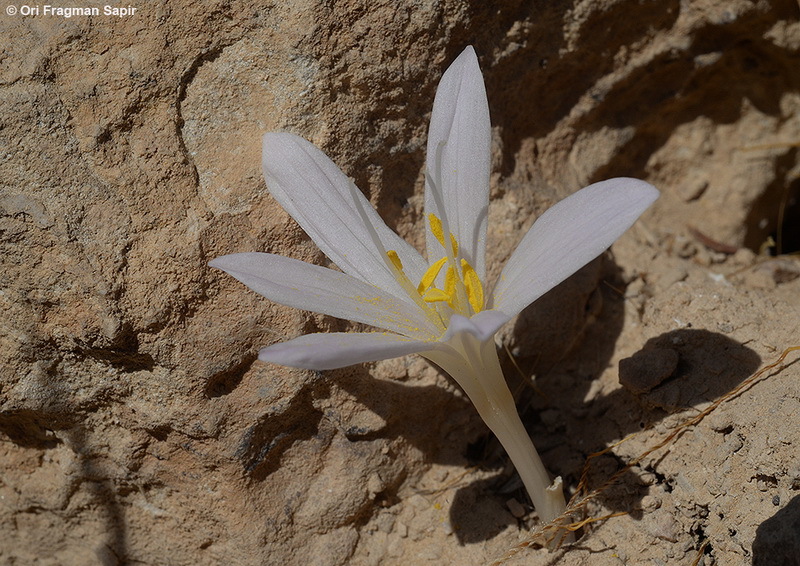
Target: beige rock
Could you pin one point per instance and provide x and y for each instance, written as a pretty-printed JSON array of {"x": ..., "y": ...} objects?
[{"x": 137, "y": 425}]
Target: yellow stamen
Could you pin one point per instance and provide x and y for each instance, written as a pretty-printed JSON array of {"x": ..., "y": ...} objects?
[
  {"x": 450, "y": 293},
  {"x": 436, "y": 228},
  {"x": 395, "y": 259},
  {"x": 462, "y": 287},
  {"x": 450, "y": 286},
  {"x": 473, "y": 285},
  {"x": 430, "y": 276},
  {"x": 415, "y": 295},
  {"x": 438, "y": 232},
  {"x": 435, "y": 295}
]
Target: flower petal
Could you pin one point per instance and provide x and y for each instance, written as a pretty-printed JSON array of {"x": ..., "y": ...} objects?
[
  {"x": 568, "y": 236},
  {"x": 336, "y": 215},
  {"x": 340, "y": 349},
  {"x": 482, "y": 325},
  {"x": 459, "y": 160},
  {"x": 311, "y": 287}
]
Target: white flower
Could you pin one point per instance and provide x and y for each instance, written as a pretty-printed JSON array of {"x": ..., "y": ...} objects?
[{"x": 439, "y": 307}]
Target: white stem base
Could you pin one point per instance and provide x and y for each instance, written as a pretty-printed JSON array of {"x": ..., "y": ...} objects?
[{"x": 477, "y": 369}]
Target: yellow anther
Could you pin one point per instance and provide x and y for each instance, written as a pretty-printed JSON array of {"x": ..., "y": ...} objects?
[
  {"x": 438, "y": 232},
  {"x": 430, "y": 276},
  {"x": 450, "y": 286},
  {"x": 395, "y": 259},
  {"x": 461, "y": 286},
  {"x": 436, "y": 228},
  {"x": 435, "y": 295},
  {"x": 473, "y": 285}
]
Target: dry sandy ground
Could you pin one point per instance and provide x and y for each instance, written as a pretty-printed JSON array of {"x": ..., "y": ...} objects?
[{"x": 137, "y": 427}]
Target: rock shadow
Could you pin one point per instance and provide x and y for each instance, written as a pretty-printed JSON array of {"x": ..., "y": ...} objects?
[
  {"x": 406, "y": 410},
  {"x": 724, "y": 66},
  {"x": 399, "y": 410},
  {"x": 674, "y": 371},
  {"x": 114, "y": 550},
  {"x": 41, "y": 431},
  {"x": 547, "y": 341},
  {"x": 778, "y": 538},
  {"x": 29, "y": 429},
  {"x": 280, "y": 427},
  {"x": 686, "y": 367},
  {"x": 474, "y": 517},
  {"x": 533, "y": 87},
  {"x": 47, "y": 421}
]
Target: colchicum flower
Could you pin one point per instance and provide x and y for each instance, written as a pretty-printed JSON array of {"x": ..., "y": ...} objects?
[{"x": 440, "y": 307}]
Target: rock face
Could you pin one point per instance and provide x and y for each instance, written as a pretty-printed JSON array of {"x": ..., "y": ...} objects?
[{"x": 137, "y": 425}]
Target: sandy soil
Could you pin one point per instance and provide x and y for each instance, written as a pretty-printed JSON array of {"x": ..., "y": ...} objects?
[{"x": 137, "y": 427}]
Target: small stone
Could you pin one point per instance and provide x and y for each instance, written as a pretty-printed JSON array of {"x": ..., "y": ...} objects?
[
  {"x": 516, "y": 508},
  {"x": 395, "y": 549},
  {"x": 647, "y": 478},
  {"x": 650, "y": 502},
  {"x": 793, "y": 475},
  {"x": 779, "y": 270},
  {"x": 375, "y": 485},
  {"x": 662, "y": 526},
  {"x": 725, "y": 327},
  {"x": 692, "y": 190},
  {"x": 721, "y": 421},
  {"x": 647, "y": 368},
  {"x": 743, "y": 256},
  {"x": 671, "y": 276},
  {"x": 733, "y": 444},
  {"x": 402, "y": 529}
]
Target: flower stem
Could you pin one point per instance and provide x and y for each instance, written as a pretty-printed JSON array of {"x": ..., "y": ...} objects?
[{"x": 477, "y": 370}]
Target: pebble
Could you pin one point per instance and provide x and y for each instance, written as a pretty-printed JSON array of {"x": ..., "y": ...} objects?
[
  {"x": 672, "y": 276},
  {"x": 663, "y": 527},
  {"x": 650, "y": 502},
  {"x": 647, "y": 368},
  {"x": 516, "y": 508},
  {"x": 402, "y": 529}
]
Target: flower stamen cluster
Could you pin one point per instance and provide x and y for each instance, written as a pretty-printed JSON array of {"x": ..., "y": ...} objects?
[{"x": 461, "y": 291}]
